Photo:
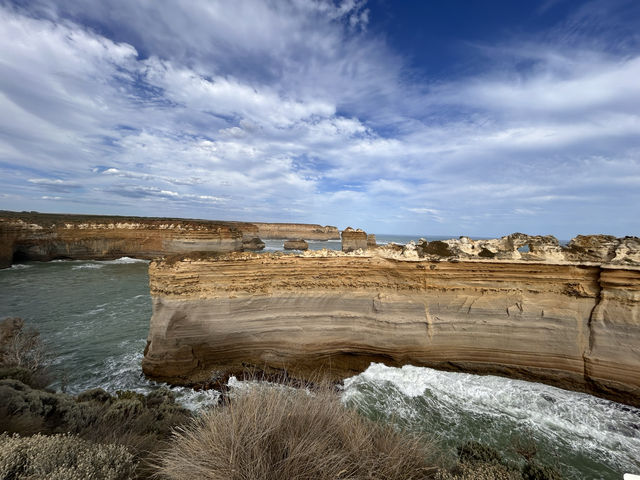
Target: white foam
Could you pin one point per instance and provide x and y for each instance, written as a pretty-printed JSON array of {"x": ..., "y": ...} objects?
[
  {"x": 124, "y": 260},
  {"x": 19, "y": 266},
  {"x": 89, "y": 266},
  {"x": 602, "y": 430}
]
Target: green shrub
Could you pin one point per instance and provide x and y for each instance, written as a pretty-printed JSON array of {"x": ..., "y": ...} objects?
[
  {"x": 534, "y": 470},
  {"x": 62, "y": 457},
  {"x": 474, "y": 452},
  {"x": 22, "y": 353},
  {"x": 479, "y": 471}
]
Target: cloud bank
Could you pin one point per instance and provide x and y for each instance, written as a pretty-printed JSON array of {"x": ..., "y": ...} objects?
[{"x": 299, "y": 111}]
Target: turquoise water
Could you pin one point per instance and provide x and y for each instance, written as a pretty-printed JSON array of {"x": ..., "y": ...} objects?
[{"x": 94, "y": 318}]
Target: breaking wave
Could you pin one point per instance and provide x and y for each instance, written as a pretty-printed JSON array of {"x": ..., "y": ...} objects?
[{"x": 587, "y": 436}]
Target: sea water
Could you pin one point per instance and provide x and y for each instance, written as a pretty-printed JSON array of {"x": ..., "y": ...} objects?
[{"x": 94, "y": 317}]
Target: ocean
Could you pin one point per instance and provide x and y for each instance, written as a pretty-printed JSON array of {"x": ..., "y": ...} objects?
[{"x": 94, "y": 316}]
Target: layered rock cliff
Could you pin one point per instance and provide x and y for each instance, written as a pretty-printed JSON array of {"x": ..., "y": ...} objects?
[
  {"x": 43, "y": 236},
  {"x": 285, "y": 231},
  {"x": 36, "y": 236},
  {"x": 576, "y": 325}
]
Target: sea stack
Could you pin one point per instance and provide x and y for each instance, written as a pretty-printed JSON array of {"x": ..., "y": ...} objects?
[
  {"x": 353, "y": 239},
  {"x": 297, "y": 244}
]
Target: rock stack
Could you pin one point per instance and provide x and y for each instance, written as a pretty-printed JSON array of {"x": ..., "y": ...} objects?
[
  {"x": 353, "y": 239},
  {"x": 297, "y": 244}
]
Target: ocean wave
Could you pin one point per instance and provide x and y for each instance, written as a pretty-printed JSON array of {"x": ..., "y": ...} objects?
[
  {"x": 124, "y": 260},
  {"x": 491, "y": 409},
  {"x": 19, "y": 266},
  {"x": 87, "y": 266}
]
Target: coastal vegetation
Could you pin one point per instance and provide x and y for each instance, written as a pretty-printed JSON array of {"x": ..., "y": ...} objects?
[{"x": 261, "y": 430}]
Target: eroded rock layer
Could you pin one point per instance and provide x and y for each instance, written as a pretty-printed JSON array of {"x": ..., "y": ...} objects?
[
  {"x": 572, "y": 325},
  {"x": 36, "y": 236},
  {"x": 285, "y": 231}
]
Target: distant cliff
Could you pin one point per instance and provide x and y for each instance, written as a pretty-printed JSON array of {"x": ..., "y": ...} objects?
[
  {"x": 36, "y": 236},
  {"x": 286, "y": 231},
  {"x": 571, "y": 324},
  {"x": 45, "y": 236}
]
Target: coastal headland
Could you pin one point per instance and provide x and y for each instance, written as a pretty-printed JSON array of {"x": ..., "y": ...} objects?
[
  {"x": 46, "y": 236},
  {"x": 520, "y": 306}
]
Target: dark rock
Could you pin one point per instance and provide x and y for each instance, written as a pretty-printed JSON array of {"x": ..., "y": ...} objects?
[
  {"x": 297, "y": 244},
  {"x": 253, "y": 244}
]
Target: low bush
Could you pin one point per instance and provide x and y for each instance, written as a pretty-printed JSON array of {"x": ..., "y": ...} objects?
[
  {"x": 139, "y": 422},
  {"x": 62, "y": 457},
  {"x": 481, "y": 462},
  {"x": 22, "y": 353},
  {"x": 273, "y": 433}
]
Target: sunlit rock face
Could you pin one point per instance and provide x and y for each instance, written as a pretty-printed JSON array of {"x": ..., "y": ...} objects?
[
  {"x": 285, "y": 231},
  {"x": 34, "y": 236},
  {"x": 518, "y": 246},
  {"x": 41, "y": 236},
  {"x": 575, "y": 325},
  {"x": 354, "y": 239}
]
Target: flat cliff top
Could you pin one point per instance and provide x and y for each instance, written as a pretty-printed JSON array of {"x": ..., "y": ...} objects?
[
  {"x": 291, "y": 224},
  {"x": 624, "y": 254},
  {"x": 52, "y": 220}
]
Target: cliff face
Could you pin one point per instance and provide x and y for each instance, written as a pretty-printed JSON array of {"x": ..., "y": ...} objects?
[
  {"x": 572, "y": 325},
  {"x": 34, "y": 236},
  {"x": 285, "y": 231},
  {"x": 353, "y": 239}
]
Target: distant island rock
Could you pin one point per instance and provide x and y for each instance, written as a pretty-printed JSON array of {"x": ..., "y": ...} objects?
[{"x": 297, "y": 244}]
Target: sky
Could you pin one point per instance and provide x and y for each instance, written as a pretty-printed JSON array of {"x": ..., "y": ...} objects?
[{"x": 475, "y": 117}]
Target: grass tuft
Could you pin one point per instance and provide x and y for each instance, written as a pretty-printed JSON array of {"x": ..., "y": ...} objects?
[{"x": 270, "y": 433}]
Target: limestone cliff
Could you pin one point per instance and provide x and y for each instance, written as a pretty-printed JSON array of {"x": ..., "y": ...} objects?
[
  {"x": 569, "y": 324},
  {"x": 285, "y": 231},
  {"x": 36, "y": 236},
  {"x": 354, "y": 239},
  {"x": 43, "y": 236}
]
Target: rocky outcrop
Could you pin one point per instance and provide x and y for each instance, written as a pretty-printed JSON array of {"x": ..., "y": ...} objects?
[
  {"x": 252, "y": 244},
  {"x": 353, "y": 239},
  {"x": 371, "y": 240},
  {"x": 36, "y": 236},
  {"x": 518, "y": 246},
  {"x": 284, "y": 231},
  {"x": 297, "y": 244},
  {"x": 568, "y": 324}
]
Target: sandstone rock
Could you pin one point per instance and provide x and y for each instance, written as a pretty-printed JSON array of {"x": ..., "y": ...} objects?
[
  {"x": 43, "y": 237},
  {"x": 371, "y": 240},
  {"x": 297, "y": 244},
  {"x": 283, "y": 231},
  {"x": 253, "y": 244},
  {"x": 571, "y": 325},
  {"x": 596, "y": 248},
  {"x": 353, "y": 239}
]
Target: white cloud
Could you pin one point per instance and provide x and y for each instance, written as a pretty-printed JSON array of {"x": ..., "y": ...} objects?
[{"x": 292, "y": 111}]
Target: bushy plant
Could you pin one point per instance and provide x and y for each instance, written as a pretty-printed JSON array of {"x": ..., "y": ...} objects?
[
  {"x": 62, "y": 457},
  {"x": 272, "y": 433},
  {"x": 22, "y": 353}
]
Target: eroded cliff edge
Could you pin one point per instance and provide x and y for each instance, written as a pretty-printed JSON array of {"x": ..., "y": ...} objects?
[
  {"x": 575, "y": 325},
  {"x": 43, "y": 236},
  {"x": 47, "y": 236},
  {"x": 285, "y": 231}
]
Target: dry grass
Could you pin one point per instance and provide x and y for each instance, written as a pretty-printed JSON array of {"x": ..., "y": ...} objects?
[{"x": 278, "y": 433}]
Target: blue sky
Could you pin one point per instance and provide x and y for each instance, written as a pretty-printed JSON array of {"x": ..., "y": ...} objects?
[{"x": 432, "y": 118}]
